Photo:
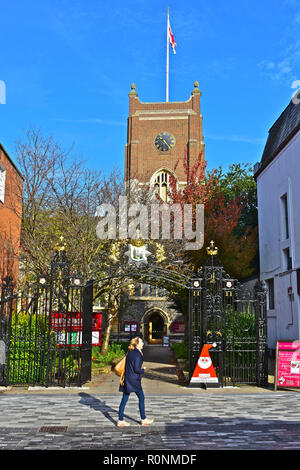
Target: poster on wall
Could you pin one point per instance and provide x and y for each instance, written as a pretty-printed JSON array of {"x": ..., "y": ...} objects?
[
  {"x": 287, "y": 366},
  {"x": 67, "y": 328}
]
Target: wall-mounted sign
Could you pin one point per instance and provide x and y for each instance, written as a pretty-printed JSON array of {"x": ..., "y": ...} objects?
[
  {"x": 130, "y": 326},
  {"x": 68, "y": 328},
  {"x": 287, "y": 367},
  {"x": 166, "y": 341},
  {"x": 178, "y": 327}
]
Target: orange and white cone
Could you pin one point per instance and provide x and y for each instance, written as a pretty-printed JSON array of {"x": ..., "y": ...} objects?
[{"x": 204, "y": 371}]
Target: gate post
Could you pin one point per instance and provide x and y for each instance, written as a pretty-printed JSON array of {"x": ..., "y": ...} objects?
[
  {"x": 261, "y": 334},
  {"x": 6, "y": 308},
  {"x": 190, "y": 334},
  {"x": 195, "y": 321},
  {"x": 86, "y": 349}
]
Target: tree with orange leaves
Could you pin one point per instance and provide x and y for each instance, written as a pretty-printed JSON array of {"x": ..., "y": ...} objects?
[{"x": 224, "y": 214}]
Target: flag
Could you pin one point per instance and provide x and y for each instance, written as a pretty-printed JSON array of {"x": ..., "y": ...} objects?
[{"x": 172, "y": 40}]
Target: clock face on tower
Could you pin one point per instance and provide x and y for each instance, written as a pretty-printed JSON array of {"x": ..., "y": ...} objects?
[{"x": 164, "y": 141}]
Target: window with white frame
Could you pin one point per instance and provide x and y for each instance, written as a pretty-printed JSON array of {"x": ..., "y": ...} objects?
[
  {"x": 287, "y": 259},
  {"x": 270, "y": 298},
  {"x": 284, "y": 217},
  {"x": 2, "y": 182}
]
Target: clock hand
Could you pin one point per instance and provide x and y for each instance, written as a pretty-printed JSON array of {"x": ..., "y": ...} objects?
[{"x": 166, "y": 143}]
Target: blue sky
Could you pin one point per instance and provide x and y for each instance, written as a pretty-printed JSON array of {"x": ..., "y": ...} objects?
[{"x": 68, "y": 66}]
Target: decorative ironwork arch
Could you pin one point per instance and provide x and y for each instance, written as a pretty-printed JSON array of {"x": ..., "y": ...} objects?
[{"x": 220, "y": 311}]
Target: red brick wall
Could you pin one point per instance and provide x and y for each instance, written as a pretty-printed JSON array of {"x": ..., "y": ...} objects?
[
  {"x": 182, "y": 119},
  {"x": 10, "y": 219}
]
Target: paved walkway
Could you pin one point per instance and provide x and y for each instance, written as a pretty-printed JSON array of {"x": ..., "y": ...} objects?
[
  {"x": 185, "y": 419},
  {"x": 160, "y": 377},
  {"x": 86, "y": 421}
]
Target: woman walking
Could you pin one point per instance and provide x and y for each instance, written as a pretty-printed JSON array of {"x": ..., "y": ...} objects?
[{"x": 133, "y": 382}]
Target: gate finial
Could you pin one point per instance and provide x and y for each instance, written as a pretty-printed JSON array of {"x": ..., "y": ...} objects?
[
  {"x": 60, "y": 246},
  {"x": 212, "y": 250}
]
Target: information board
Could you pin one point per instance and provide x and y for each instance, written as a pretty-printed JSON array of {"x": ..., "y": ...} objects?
[
  {"x": 68, "y": 328},
  {"x": 178, "y": 327},
  {"x": 287, "y": 367},
  {"x": 166, "y": 341}
]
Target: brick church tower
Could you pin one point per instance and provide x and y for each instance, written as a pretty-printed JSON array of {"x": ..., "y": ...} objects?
[{"x": 159, "y": 135}]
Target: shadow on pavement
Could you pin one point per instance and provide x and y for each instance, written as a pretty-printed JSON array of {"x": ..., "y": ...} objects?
[
  {"x": 157, "y": 354},
  {"x": 158, "y": 374},
  {"x": 98, "y": 405}
]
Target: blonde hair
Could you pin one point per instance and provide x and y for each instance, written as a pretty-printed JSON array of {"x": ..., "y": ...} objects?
[{"x": 133, "y": 343}]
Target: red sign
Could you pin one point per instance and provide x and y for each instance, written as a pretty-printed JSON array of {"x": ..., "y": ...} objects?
[
  {"x": 204, "y": 371},
  {"x": 178, "y": 327},
  {"x": 68, "y": 328},
  {"x": 287, "y": 372}
]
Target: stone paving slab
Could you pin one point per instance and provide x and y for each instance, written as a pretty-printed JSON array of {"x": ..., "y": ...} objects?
[
  {"x": 84, "y": 418},
  {"x": 244, "y": 421}
]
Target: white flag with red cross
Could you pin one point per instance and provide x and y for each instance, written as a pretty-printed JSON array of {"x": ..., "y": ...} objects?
[{"x": 172, "y": 40}]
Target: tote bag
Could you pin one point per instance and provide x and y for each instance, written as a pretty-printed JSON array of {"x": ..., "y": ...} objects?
[{"x": 120, "y": 367}]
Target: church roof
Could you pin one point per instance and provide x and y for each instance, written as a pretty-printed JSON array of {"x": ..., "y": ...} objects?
[{"x": 282, "y": 131}]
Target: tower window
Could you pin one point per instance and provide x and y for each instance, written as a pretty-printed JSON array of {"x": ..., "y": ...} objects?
[{"x": 161, "y": 184}]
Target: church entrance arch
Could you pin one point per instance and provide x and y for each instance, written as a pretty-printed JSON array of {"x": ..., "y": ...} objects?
[{"x": 154, "y": 325}]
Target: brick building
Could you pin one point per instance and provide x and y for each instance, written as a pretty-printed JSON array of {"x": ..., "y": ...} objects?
[
  {"x": 158, "y": 136},
  {"x": 11, "y": 188}
]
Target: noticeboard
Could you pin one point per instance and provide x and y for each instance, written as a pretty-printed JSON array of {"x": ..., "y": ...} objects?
[
  {"x": 166, "y": 341},
  {"x": 287, "y": 367},
  {"x": 68, "y": 328}
]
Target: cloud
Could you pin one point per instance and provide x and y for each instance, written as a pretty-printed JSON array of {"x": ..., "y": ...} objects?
[
  {"x": 285, "y": 66},
  {"x": 282, "y": 70},
  {"x": 266, "y": 64}
]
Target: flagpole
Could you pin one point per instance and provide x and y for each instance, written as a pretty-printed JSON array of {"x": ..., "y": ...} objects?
[{"x": 167, "y": 68}]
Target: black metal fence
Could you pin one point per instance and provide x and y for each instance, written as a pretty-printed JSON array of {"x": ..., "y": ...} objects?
[
  {"x": 45, "y": 331},
  {"x": 224, "y": 313}
]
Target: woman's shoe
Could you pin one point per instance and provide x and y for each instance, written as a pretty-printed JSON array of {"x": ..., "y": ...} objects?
[
  {"x": 147, "y": 421},
  {"x": 122, "y": 424}
]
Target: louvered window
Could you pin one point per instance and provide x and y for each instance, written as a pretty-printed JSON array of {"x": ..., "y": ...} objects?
[{"x": 161, "y": 184}]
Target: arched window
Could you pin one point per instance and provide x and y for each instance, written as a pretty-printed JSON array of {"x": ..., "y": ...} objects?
[{"x": 161, "y": 184}]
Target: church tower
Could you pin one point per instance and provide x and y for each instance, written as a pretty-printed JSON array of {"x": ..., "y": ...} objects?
[{"x": 158, "y": 136}]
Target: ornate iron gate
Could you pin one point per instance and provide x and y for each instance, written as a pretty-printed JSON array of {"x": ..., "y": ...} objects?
[
  {"x": 221, "y": 311},
  {"x": 46, "y": 331}
]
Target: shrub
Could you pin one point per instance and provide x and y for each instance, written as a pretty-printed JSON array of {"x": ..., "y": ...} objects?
[
  {"x": 181, "y": 350},
  {"x": 115, "y": 351}
]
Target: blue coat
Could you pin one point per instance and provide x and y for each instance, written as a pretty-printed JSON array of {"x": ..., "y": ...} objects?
[{"x": 133, "y": 372}]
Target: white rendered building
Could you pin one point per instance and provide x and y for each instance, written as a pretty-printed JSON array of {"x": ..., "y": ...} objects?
[{"x": 278, "y": 190}]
